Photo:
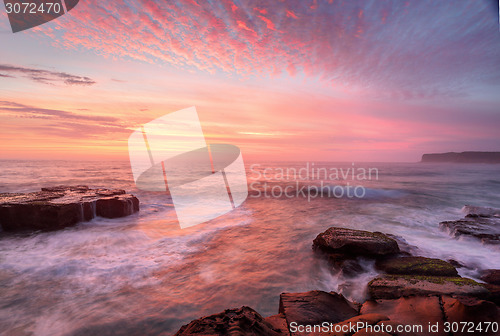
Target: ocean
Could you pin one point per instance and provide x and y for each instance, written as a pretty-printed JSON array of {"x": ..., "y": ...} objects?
[{"x": 143, "y": 274}]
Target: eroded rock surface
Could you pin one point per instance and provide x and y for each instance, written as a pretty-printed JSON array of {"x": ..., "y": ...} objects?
[
  {"x": 231, "y": 322},
  {"x": 62, "y": 206},
  {"x": 396, "y": 286},
  {"x": 316, "y": 307},
  {"x": 479, "y": 222},
  {"x": 338, "y": 240},
  {"x": 417, "y": 266}
]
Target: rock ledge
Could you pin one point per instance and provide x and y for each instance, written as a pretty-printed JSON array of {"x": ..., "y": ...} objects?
[{"x": 62, "y": 206}]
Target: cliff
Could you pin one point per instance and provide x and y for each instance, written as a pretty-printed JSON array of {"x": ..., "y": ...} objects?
[{"x": 464, "y": 157}]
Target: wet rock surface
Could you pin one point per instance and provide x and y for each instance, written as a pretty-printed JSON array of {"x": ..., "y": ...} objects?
[
  {"x": 396, "y": 286},
  {"x": 413, "y": 291},
  {"x": 58, "y": 207},
  {"x": 417, "y": 266},
  {"x": 408, "y": 311},
  {"x": 336, "y": 240},
  {"x": 316, "y": 307},
  {"x": 240, "y": 321},
  {"x": 479, "y": 222}
]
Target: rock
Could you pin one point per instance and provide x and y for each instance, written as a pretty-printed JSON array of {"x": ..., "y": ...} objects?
[
  {"x": 59, "y": 207},
  {"x": 419, "y": 310},
  {"x": 481, "y": 223},
  {"x": 494, "y": 295},
  {"x": 416, "y": 266},
  {"x": 348, "y": 267},
  {"x": 344, "y": 328},
  {"x": 315, "y": 307},
  {"x": 405, "y": 247},
  {"x": 491, "y": 276},
  {"x": 470, "y": 310},
  {"x": 396, "y": 286},
  {"x": 117, "y": 206},
  {"x": 480, "y": 211},
  {"x": 455, "y": 263},
  {"x": 278, "y": 322},
  {"x": 355, "y": 243},
  {"x": 240, "y": 321}
]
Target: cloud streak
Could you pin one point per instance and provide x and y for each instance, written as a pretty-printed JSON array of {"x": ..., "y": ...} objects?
[
  {"x": 26, "y": 111},
  {"x": 45, "y": 76},
  {"x": 403, "y": 50}
]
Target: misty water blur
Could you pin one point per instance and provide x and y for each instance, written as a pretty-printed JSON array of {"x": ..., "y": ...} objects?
[{"x": 144, "y": 274}]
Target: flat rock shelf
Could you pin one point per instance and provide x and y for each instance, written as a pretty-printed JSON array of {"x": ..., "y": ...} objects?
[{"x": 58, "y": 207}]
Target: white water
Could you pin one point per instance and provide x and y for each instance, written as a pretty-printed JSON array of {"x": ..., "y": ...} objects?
[{"x": 110, "y": 276}]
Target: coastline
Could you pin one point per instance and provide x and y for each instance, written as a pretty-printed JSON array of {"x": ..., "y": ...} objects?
[{"x": 413, "y": 295}]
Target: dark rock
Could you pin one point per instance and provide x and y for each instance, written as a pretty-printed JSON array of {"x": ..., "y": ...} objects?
[
  {"x": 494, "y": 293},
  {"x": 416, "y": 266},
  {"x": 349, "y": 267},
  {"x": 405, "y": 247},
  {"x": 479, "y": 222},
  {"x": 418, "y": 310},
  {"x": 491, "y": 276},
  {"x": 477, "y": 211},
  {"x": 485, "y": 229},
  {"x": 117, "y": 206},
  {"x": 455, "y": 263},
  {"x": 355, "y": 243},
  {"x": 62, "y": 206},
  {"x": 316, "y": 307},
  {"x": 396, "y": 286},
  {"x": 240, "y": 321},
  {"x": 471, "y": 310}
]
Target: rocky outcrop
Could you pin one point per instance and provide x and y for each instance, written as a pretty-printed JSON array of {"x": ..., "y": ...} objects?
[
  {"x": 463, "y": 157},
  {"x": 480, "y": 211},
  {"x": 491, "y": 276},
  {"x": 342, "y": 248},
  {"x": 417, "y": 266},
  {"x": 479, "y": 222},
  {"x": 422, "y": 310},
  {"x": 338, "y": 240},
  {"x": 241, "y": 321},
  {"x": 316, "y": 307},
  {"x": 59, "y": 207},
  {"x": 396, "y": 286},
  {"x": 408, "y": 311},
  {"x": 469, "y": 309}
]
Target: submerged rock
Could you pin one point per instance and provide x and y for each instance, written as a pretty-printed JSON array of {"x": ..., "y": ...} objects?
[
  {"x": 351, "y": 242},
  {"x": 417, "y": 266},
  {"x": 59, "y": 207},
  {"x": 396, "y": 286},
  {"x": 479, "y": 222},
  {"x": 240, "y": 321}
]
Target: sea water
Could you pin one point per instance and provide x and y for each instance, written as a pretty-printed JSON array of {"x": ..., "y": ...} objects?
[{"x": 143, "y": 274}]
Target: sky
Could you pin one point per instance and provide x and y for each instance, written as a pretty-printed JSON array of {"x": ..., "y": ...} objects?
[{"x": 290, "y": 80}]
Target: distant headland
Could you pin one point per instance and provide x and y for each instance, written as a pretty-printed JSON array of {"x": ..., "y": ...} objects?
[{"x": 463, "y": 157}]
